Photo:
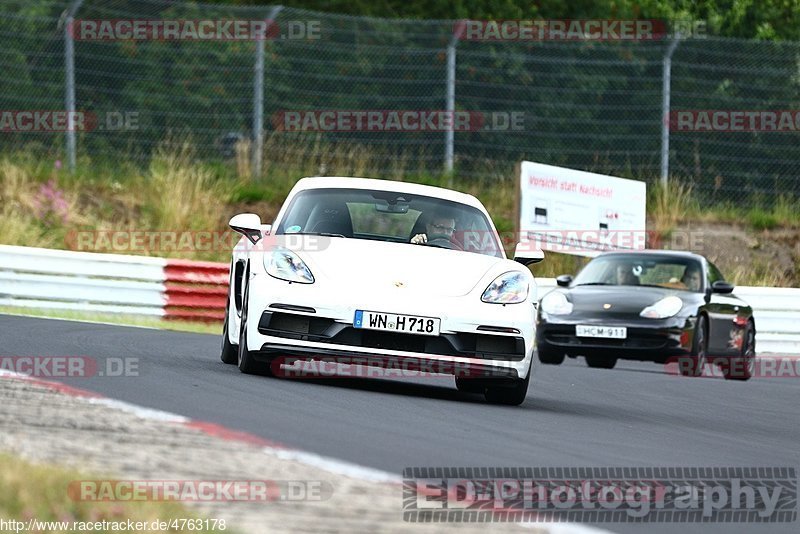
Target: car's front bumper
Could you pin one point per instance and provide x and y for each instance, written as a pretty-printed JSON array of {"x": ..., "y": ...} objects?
[
  {"x": 294, "y": 320},
  {"x": 646, "y": 340}
]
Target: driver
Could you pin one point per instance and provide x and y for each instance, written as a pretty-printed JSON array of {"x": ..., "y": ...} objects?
[
  {"x": 438, "y": 227},
  {"x": 625, "y": 275},
  {"x": 692, "y": 277}
]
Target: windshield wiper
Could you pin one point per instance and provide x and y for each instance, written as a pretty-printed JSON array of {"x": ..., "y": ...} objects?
[
  {"x": 326, "y": 234},
  {"x": 593, "y": 284}
]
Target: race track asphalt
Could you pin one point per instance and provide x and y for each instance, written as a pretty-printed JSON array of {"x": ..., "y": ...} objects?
[{"x": 633, "y": 416}]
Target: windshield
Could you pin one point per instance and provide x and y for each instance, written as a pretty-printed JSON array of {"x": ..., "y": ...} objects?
[
  {"x": 643, "y": 270},
  {"x": 390, "y": 216}
]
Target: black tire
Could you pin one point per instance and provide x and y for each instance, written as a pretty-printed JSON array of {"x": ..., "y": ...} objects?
[
  {"x": 743, "y": 368},
  {"x": 470, "y": 385},
  {"x": 695, "y": 364},
  {"x": 550, "y": 357},
  {"x": 245, "y": 358},
  {"x": 512, "y": 394},
  {"x": 601, "y": 362},
  {"x": 230, "y": 352}
]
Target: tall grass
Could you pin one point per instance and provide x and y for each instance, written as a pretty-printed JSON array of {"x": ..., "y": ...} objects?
[
  {"x": 177, "y": 192},
  {"x": 668, "y": 205}
]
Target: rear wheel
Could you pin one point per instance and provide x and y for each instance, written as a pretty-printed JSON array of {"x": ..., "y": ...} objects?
[
  {"x": 510, "y": 393},
  {"x": 550, "y": 356},
  {"x": 601, "y": 362},
  {"x": 245, "y": 358},
  {"x": 695, "y": 364},
  {"x": 743, "y": 368}
]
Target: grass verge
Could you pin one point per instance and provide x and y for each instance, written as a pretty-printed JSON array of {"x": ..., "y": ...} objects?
[
  {"x": 120, "y": 319},
  {"x": 33, "y": 492}
]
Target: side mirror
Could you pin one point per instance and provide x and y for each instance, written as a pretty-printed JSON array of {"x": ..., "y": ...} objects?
[
  {"x": 722, "y": 287},
  {"x": 526, "y": 255},
  {"x": 564, "y": 280},
  {"x": 247, "y": 224}
]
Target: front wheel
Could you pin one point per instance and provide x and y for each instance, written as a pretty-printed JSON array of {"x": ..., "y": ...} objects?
[
  {"x": 550, "y": 357},
  {"x": 601, "y": 362},
  {"x": 695, "y": 364},
  {"x": 245, "y": 358},
  {"x": 470, "y": 385},
  {"x": 230, "y": 352},
  {"x": 511, "y": 394}
]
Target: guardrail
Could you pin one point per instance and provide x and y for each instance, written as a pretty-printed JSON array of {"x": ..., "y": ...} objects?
[
  {"x": 112, "y": 283},
  {"x": 196, "y": 291}
]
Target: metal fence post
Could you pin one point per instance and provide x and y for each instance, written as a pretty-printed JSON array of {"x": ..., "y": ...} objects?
[
  {"x": 69, "y": 81},
  {"x": 665, "y": 95},
  {"x": 450, "y": 105},
  {"x": 258, "y": 97}
]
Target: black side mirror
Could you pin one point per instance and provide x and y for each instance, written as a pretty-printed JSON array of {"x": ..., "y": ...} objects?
[
  {"x": 564, "y": 280},
  {"x": 722, "y": 287}
]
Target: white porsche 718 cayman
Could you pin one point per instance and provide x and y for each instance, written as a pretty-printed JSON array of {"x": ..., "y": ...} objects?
[{"x": 378, "y": 271}]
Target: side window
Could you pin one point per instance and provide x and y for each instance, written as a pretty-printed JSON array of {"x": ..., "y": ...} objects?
[{"x": 713, "y": 274}]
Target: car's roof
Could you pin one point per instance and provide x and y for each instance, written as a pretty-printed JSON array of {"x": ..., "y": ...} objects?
[
  {"x": 325, "y": 182},
  {"x": 660, "y": 252}
]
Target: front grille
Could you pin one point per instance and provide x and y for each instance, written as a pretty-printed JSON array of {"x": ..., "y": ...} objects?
[
  {"x": 324, "y": 330},
  {"x": 630, "y": 343}
]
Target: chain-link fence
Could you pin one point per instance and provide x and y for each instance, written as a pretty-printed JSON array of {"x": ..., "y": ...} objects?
[{"x": 590, "y": 105}]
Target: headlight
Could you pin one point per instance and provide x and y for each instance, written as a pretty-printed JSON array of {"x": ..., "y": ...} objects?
[
  {"x": 508, "y": 288},
  {"x": 666, "y": 307},
  {"x": 556, "y": 303},
  {"x": 286, "y": 265}
]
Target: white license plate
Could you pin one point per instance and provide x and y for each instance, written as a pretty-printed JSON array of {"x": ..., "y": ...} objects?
[
  {"x": 393, "y": 322},
  {"x": 612, "y": 332}
]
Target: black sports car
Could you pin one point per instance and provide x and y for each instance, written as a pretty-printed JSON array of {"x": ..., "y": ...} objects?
[{"x": 657, "y": 306}]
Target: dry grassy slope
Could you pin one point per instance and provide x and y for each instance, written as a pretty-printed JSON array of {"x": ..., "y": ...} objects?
[{"x": 745, "y": 255}]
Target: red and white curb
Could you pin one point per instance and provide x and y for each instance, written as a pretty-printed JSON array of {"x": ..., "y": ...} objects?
[{"x": 278, "y": 450}]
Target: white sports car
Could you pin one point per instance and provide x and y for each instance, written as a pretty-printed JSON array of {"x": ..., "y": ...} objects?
[{"x": 383, "y": 271}]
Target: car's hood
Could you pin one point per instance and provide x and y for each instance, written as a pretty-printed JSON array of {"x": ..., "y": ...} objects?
[
  {"x": 619, "y": 300},
  {"x": 378, "y": 266}
]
